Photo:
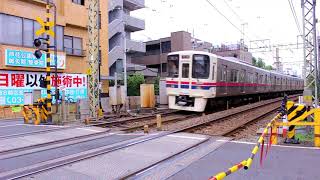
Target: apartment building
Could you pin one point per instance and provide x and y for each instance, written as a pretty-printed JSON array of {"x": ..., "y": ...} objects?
[
  {"x": 157, "y": 50},
  {"x": 238, "y": 50},
  {"x": 121, "y": 25},
  {"x": 21, "y": 72}
]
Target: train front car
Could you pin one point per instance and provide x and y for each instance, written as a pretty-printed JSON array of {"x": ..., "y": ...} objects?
[{"x": 190, "y": 80}]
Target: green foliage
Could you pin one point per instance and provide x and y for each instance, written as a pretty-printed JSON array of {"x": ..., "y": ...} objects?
[
  {"x": 269, "y": 67},
  {"x": 156, "y": 85},
  {"x": 261, "y": 64},
  {"x": 254, "y": 61},
  {"x": 134, "y": 82}
]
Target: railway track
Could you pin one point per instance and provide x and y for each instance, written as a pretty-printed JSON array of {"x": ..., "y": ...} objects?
[
  {"x": 172, "y": 123},
  {"x": 230, "y": 123}
]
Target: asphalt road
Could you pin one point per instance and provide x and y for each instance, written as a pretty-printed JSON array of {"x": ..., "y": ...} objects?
[
  {"x": 281, "y": 163},
  {"x": 11, "y": 129},
  {"x": 33, "y": 158}
]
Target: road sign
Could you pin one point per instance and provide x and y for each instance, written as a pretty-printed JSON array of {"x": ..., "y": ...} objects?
[{"x": 46, "y": 27}]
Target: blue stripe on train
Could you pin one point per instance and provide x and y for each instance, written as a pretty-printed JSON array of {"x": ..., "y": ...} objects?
[
  {"x": 185, "y": 86},
  {"x": 202, "y": 87},
  {"x": 172, "y": 85}
]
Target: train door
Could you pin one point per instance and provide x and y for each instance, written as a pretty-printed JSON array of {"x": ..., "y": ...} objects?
[
  {"x": 185, "y": 75},
  {"x": 242, "y": 80},
  {"x": 224, "y": 79}
]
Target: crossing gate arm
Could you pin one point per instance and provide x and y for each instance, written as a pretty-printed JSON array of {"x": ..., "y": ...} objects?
[{"x": 247, "y": 163}]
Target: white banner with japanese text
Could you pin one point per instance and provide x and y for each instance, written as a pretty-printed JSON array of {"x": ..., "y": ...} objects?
[{"x": 13, "y": 84}]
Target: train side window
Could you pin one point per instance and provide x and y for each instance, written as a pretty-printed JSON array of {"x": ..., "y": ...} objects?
[
  {"x": 234, "y": 75},
  {"x": 185, "y": 70},
  {"x": 224, "y": 73},
  {"x": 250, "y": 78},
  {"x": 256, "y": 78},
  {"x": 261, "y": 79},
  {"x": 243, "y": 76},
  {"x": 213, "y": 71}
]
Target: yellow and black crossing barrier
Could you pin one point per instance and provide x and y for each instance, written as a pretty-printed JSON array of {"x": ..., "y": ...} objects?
[
  {"x": 293, "y": 112},
  {"x": 231, "y": 170},
  {"x": 247, "y": 163},
  {"x": 273, "y": 139},
  {"x": 36, "y": 112},
  {"x": 297, "y": 113}
]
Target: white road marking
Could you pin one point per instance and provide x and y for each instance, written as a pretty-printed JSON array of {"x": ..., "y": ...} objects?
[
  {"x": 43, "y": 125},
  {"x": 11, "y": 125},
  {"x": 89, "y": 130},
  {"x": 187, "y": 137},
  {"x": 284, "y": 146}
]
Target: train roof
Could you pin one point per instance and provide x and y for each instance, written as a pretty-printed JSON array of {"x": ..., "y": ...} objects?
[{"x": 231, "y": 59}]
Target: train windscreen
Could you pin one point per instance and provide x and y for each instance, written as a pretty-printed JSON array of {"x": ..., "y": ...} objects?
[
  {"x": 200, "y": 66},
  {"x": 173, "y": 66}
]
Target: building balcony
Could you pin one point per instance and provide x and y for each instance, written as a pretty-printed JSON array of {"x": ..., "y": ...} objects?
[
  {"x": 114, "y": 27},
  {"x": 135, "y": 46},
  {"x": 132, "y": 5},
  {"x": 113, "y": 4},
  {"x": 115, "y": 54},
  {"x": 133, "y": 24}
]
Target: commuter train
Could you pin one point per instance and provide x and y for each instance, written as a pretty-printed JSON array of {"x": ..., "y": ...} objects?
[{"x": 198, "y": 79}]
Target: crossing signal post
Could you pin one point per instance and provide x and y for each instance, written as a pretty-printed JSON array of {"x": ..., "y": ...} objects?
[{"x": 46, "y": 29}]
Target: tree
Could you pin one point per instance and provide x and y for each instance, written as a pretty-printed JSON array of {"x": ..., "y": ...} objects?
[
  {"x": 134, "y": 82},
  {"x": 260, "y": 63},
  {"x": 254, "y": 61},
  {"x": 156, "y": 85},
  {"x": 269, "y": 67}
]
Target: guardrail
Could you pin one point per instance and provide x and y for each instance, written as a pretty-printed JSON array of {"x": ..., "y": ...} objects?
[
  {"x": 296, "y": 113},
  {"x": 247, "y": 163}
]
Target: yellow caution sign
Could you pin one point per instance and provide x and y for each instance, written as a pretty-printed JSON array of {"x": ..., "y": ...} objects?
[
  {"x": 46, "y": 27},
  {"x": 89, "y": 71}
]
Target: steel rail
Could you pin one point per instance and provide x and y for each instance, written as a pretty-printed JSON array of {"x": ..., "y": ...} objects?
[
  {"x": 217, "y": 118},
  {"x": 152, "y": 124}
]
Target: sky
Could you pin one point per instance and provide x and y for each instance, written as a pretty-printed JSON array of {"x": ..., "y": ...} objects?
[{"x": 261, "y": 19}]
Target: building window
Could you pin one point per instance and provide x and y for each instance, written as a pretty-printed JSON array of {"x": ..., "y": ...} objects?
[
  {"x": 80, "y": 2},
  {"x": 28, "y": 32},
  {"x": 11, "y": 29},
  {"x": 152, "y": 49},
  {"x": 21, "y": 31},
  {"x": 166, "y": 47},
  {"x": 164, "y": 67},
  {"x": 73, "y": 45}
]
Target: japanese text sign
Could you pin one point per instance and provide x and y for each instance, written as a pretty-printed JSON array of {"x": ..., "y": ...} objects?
[
  {"x": 27, "y": 59},
  {"x": 13, "y": 85}
]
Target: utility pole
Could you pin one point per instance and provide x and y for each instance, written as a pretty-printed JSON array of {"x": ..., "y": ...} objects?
[
  {"x": 125, "y": 70},
  {"x": 310, "y": 69},
  {"x": 93, "y": 48},
  {"x": 277, "y": 62}
]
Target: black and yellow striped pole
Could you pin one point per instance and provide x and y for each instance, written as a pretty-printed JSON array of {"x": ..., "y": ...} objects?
[
  {"x": 48, "y": 69},
  {"x": 231, "y": 170},
  {"x": 261, "y": 139},
  {"x": 46, "y": 28}
]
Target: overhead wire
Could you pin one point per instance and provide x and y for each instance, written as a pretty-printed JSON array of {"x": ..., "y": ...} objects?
[
  {"x": 213, "y": 6},
  {"x": 295, "y": 15},
  {"x": 233, "y": 11}
]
